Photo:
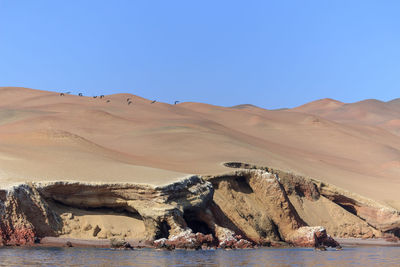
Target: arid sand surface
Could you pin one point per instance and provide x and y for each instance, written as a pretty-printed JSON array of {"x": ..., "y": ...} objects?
[{"x": 48, "y": 137}]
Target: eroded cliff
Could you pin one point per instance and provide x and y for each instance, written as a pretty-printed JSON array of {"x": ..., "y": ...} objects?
[{"x": 247, "y": 207}]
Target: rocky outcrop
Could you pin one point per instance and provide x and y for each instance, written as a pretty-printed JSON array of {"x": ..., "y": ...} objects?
[
  {"x": 254, "y": 205},
  {"x": 119, "y": 244},
  {"x": 160, "y": 208},
  {"x": 342, "y": 213},
  {"x": 241, "y": 209},
  {"x": 25, "y": 216},
  {"x": 237, "y": 210},
  {"x": 379, "y": 216},
  {"x": 312, "y": 237},
  {"x": 360, "y": 216},
  {"x": 186, "y": 240}
]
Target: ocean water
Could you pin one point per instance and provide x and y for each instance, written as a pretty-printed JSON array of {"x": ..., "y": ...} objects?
[{"x": 349, "y": 256}]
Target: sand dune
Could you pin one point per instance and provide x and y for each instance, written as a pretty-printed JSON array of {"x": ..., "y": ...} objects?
[
  {"x": 45, "y": 136},
  {"x": 370, "y": 112}
]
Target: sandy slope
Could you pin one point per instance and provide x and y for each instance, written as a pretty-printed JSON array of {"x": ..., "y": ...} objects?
[
  {"x": 368, "y": 112},
  {"x": 45, "y": 136}
]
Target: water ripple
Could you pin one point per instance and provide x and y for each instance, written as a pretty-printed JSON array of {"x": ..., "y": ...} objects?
[{"x": 357, "y": 256}]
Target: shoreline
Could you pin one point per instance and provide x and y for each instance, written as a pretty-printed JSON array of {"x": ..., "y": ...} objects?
[
  {"x": 137, "y": 244},
  {"x": 377, "y": 242},
  {"x": 88, "y": 243}
]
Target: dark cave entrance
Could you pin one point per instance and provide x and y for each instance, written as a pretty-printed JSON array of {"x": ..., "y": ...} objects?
[
  {"x": 163, "y": 231},
  {"x": 395, "y": 232},
  {"x": 243, "y": 185},
  {"x": 195, "y": 224}
]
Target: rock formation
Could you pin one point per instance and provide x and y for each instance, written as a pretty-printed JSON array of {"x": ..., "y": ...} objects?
[
  {"x": 342, "y": 213},
  {"x": 245, "y": 208},
  {"x": 25, "y": 215}
]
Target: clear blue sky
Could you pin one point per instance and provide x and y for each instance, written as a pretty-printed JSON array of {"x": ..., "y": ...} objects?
[{"x": 268, "y": 53}]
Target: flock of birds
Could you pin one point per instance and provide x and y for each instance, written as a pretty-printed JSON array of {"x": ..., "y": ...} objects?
[{"x": 128, "y": 100}]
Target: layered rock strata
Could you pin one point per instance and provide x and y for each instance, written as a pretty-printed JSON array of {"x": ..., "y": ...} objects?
[
  {"x": 342, "y": 213},
  {"x": 25, "y": 216},
  {"x": 241, "y": 209}
]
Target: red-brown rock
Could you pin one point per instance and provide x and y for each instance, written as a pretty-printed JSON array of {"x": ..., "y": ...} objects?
[
  {"x": 185, "y": 240},
  {"x": 16, "y": 236},
  {"x": 312, "y": 237}
]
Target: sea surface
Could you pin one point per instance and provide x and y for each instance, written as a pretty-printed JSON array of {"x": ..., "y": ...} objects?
[{"x": 349, "y": 256}]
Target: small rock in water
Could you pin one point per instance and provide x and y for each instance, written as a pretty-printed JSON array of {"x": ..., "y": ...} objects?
[
  {"x": 120, "y": 244},
  {"x": 321, "y": 248}
]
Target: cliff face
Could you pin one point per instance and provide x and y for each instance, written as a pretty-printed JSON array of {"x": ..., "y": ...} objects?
[
  {"x": 25, "y": 215},
  {"x": 342, "y": 213},
  {"x": 239, "y": 209}
]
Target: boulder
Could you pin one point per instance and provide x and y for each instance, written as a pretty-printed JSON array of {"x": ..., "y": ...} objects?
[{"x": 315, "y": 236}]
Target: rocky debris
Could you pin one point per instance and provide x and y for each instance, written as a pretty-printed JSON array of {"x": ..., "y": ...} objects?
[
  {"x": 230, "y": 240},
  {"x": 312, "y": 237},
  {"x": 391, "y": 238},
  {"x": 120, "y": 244},
  {"x": 189, "y": 240},
  {"x": 186, "y": 240}
]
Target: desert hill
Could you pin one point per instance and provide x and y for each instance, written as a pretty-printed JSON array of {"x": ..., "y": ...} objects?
[
  {"x": 368, "y": 112},
  {"x": 47, "y": 137}
]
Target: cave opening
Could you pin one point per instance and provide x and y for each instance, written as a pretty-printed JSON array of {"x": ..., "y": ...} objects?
[
  {"x": 195, "y": 224},
  {"x": 243, "y": 185},
  {"x": 163, "y": 231},
  {"x": 299, "y": 191},
  {"x": 61, "y": 207},
  {"x": 395, "y": 232}
]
